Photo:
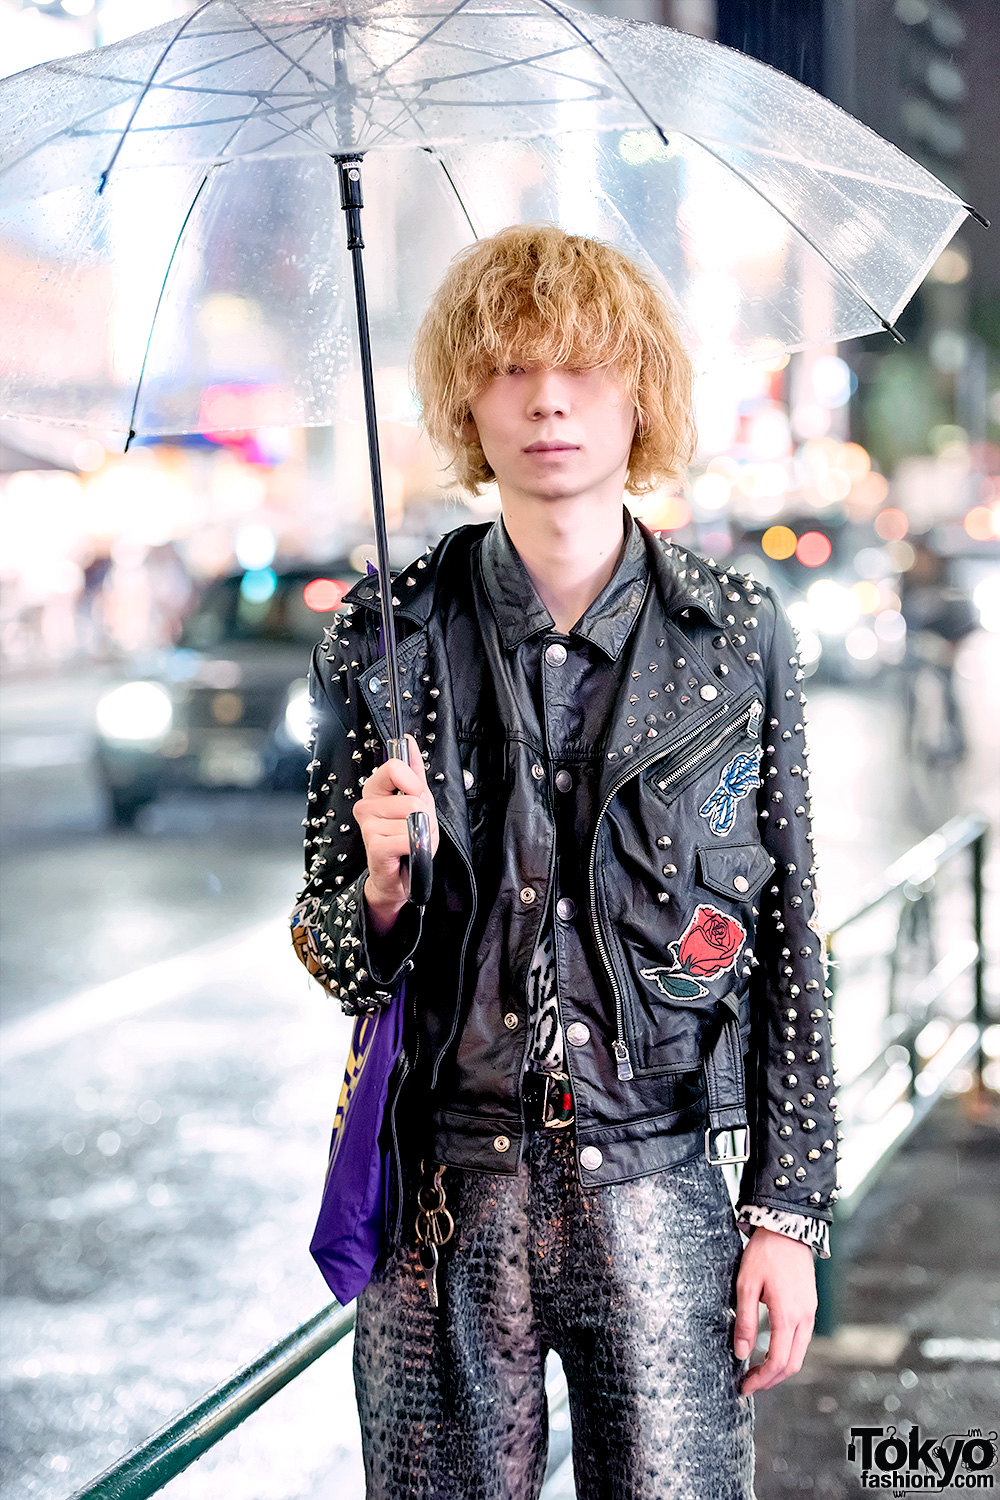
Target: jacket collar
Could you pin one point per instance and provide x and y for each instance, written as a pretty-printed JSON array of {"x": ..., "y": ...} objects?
[
  {"x": 684, "y": 580},
  {"x": 520, "y": 613}
]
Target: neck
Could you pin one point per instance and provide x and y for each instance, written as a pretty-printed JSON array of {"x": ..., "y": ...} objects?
[{"x": 570, "y": 549}]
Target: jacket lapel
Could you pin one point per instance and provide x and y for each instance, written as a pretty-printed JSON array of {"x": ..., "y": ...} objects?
[{"x": 668, "y": 688}]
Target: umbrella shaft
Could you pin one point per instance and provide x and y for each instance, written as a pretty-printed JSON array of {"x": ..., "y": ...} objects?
[{"x": 352, "y": 202}]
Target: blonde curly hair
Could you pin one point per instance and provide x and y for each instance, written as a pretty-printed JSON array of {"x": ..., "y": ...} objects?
[{"x": 553, "y": 298}]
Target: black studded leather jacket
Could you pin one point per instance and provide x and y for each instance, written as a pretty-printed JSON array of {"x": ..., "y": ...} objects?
[{"x": 695, "y": 882}]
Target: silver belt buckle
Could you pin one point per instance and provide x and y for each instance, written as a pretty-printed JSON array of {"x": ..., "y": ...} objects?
[{"x": 721, "y": 1161}]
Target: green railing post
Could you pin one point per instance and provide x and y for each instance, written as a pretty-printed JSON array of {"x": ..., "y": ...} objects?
[
  {"x": 828, "y": 1288},
  {"x": 979, "y": 970}
]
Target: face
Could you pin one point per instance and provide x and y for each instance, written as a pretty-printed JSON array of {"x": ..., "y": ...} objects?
[{"x": 555, "y": 432}]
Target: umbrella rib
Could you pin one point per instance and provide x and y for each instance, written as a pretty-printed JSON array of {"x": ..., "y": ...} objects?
[
  {"x": 844, "y": 275},
  {"x": 146, "y": 87},
  {"x": 422, "y": 40},
  {"x": 320, "y": 32},
  {"x": 851, "y": 172},
  {"x": 58, "y": 66},
  {"x": 156, "y": 311},
  {"x": 281, "y": 53},
  {"x": 431, "y": 150},
  {"x": 454, "y": 187}
]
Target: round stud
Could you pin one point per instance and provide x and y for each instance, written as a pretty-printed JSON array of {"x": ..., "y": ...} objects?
[
  {"x": 591, "y": 1158},
  {"x": 577, "y": 1034}
]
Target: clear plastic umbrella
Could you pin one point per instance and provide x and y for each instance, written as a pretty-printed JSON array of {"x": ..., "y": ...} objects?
[{"x": 169, "y": 204}]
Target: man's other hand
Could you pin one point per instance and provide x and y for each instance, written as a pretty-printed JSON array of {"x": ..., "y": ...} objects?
[{"x": 779, "y": 1272}]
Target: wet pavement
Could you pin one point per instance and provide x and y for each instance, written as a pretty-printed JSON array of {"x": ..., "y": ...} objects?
[{"x": 169, "y": 1081}]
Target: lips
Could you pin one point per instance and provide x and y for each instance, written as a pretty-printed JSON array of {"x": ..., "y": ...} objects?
[{"x": 552, "y": 448}]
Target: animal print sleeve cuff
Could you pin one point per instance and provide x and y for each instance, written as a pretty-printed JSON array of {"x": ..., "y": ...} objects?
[{"x": 814, "y": 1232}]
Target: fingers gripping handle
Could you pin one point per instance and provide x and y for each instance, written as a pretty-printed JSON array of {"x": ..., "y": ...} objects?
[{"x": 418, "y": 871}]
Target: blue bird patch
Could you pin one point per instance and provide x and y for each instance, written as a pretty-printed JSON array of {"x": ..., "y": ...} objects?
[{"x": 738, "y": 778}]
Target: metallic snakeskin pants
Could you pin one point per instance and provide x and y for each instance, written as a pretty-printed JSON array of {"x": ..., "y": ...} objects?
[{"x": 632, "y": 1284}]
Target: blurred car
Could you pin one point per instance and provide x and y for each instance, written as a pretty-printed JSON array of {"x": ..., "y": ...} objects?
[{"x": 228, "y": 706}]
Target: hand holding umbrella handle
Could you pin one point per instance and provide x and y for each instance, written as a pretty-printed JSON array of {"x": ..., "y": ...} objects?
[
  {"x": 420, "y": 863},
  {"x": 416, "y": 870}
]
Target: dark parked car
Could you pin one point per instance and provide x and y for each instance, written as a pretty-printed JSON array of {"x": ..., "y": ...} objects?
[{"x": 228, "y": 706}]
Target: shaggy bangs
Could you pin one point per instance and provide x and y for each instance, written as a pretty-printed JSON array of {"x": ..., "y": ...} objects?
[{"x": 538, "y": 294}]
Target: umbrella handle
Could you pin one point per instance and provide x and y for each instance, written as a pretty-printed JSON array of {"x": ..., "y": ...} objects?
[
  {"x": 420, "y": 863},
  {"x": 417, "y": 868}
]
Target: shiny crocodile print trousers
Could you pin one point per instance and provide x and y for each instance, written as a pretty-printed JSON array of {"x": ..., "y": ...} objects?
[{"x": 633, "y": 1285}]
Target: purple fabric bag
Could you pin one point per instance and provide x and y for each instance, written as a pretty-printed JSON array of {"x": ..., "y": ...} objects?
[{"x": 354, "y": 1209}]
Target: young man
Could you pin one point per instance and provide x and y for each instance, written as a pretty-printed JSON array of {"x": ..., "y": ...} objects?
[{"x": 608, "y": 739}]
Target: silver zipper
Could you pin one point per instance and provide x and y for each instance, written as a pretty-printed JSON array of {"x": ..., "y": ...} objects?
[{"x": 753, "y": 714}]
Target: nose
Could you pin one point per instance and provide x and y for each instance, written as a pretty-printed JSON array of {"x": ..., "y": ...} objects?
[{"x": 548, "y": 395}]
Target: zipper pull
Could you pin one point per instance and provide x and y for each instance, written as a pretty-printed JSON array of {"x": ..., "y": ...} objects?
[
  {"x": 753, "y": 723},
  {"x": 623, "y": 1060}
]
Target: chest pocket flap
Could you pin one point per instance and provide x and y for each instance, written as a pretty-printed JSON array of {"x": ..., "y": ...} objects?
[{"x": 738, "y": 871}]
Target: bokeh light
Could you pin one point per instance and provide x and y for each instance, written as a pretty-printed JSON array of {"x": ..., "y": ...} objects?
[
  {"x": 891, "y": 524},
  {"x": 258, "y": 585},
  {"x": 868, "y": 595},
  {"x": 711, "y": 491},
  {"x": 813, "y": 549},
  {"x": 323, "y": 594},
  {"x": 778, "y": 542},
  {"x": 983, "y": 523}
]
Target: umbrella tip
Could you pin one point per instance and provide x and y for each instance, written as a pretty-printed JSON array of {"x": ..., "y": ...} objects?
[{"x": 975, "y": 214}]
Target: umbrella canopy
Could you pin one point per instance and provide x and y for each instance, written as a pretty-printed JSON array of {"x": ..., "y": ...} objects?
[{"x": 170, "y": 239}]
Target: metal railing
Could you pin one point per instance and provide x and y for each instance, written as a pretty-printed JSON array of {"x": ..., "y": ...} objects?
[
  {"x": 924, "y": 1046},
  {"x": 164, "y": 1455}
]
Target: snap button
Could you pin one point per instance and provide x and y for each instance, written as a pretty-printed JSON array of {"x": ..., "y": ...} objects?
[
  {"x": 527, "y": 895},
  {"x": 469, "y": 780},
  {"x": 577, "y": 1034},
  {"x": 374, "y": 683},
  {"x": 555, "y": 654},
  {"x": 564, "y": 781},
  {"x": 591, "y": 1158},
  {"x": 537, "y": 771},
  {"x": 501, "y": 1143},
  {"x": 709, "y": 690},
  {"x": 566, "y": 908},
  {"x": 664, "y": 841},
  {"x": 510, "y": 1021},
  {"x": 741, "y": 882}
]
